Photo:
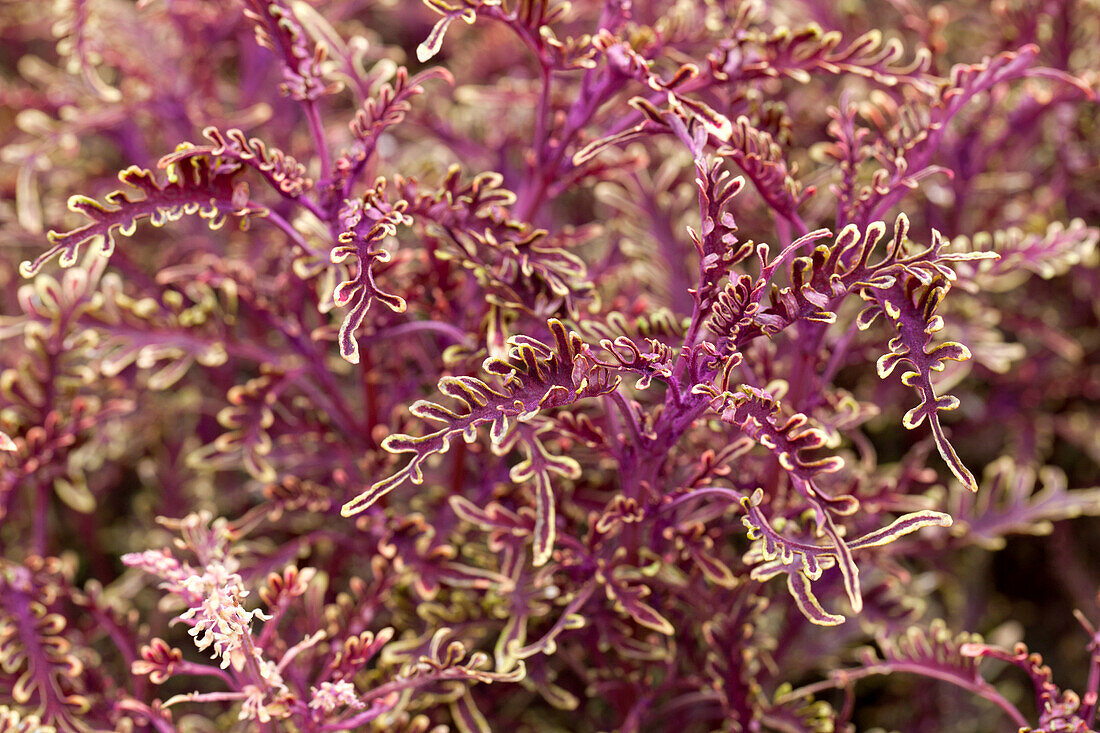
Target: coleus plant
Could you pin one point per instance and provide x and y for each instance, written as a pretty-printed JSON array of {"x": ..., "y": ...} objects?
[{"x": 516, "y": 363}]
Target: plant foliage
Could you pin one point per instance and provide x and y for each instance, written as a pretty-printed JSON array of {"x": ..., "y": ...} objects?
[{"x": 583, "y": 366}]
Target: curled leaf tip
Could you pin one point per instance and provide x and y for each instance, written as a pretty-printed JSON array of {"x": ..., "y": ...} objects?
[
  {"x": 352, "y": 508},
  {"x": 361, "y": 503}
]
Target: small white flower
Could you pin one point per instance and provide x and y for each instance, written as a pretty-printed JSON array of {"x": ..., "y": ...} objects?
[
  {"x": 220, "y": 620},
  {"x": 332, "y": 695}
]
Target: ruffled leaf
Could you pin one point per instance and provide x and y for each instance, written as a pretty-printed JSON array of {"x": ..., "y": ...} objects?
[
  {"x": 193, "y": 186},
  {"x": 533, "y": 377}
]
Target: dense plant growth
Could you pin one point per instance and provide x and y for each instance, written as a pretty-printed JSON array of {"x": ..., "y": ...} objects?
[{"x": 607, "y": 366}]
